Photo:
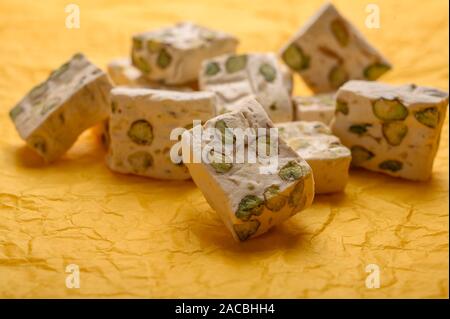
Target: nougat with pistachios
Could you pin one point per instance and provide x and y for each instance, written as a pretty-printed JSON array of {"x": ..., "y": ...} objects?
[
  {"x": 390, "y": 129},
  {"x": 251, "y": 196},
  {"x": 329, "y": 51},
  {"x": 54, "y": 113}
]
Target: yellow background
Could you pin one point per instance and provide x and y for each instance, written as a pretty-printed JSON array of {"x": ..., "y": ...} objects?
[{"x": 136, "y": 237}]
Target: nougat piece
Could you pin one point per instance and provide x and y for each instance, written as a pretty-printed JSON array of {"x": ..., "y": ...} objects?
[
  {"x": 123, "y": 73},
  {"x": 174, "y": 54},
  {"x": 53, "y": 114},
  {"x": 249, "y": 198},
  {"x": 328, "y": 51},
  {"x": 237, "y": 77},
  {"x": 324, "y": 152},
  {"x": 314, "y": 108},
  {"x": 141, "y": 122},
  {"x": 391, "y": 129}
]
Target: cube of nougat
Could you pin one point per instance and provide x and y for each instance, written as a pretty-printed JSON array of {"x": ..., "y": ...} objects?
[
  {"x": 248, "y": 199},
  {"x": 174, "y": 54},
  {"x": 391, "y": 129},
  {"x": 236, "y": 77},
  {"x": 328, "y": 158},
  {"x": 314, "y": 108},
  {"x": 141, "y": 123},
  {"x": 328, "y": 51},
  {"x": 123, "y": 73},
  {"x": 53, "y": 114}
]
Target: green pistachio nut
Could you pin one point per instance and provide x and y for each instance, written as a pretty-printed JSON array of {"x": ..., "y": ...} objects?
[
  {"x": 39, "y": 144},
  {"x": 222, "y": 168},
  {"x": 340, "y": 32},
  {"x": 245, "y": 230},
  {"x": 428, "y": 117},
  {"x": 56, "y": 74},
  {"x": 141, "y": 132},
  {"x": 394, "y": 132},
  {"x": 326, "y": 99},
  {"x": 248, "y": 206},
  {"x": 37, "y": 93},
  {"x": 342, "y": 107},
  {"x": 60, "y": 71},
  {"x": 389, "y": 110},
  {"x": 137, "y": 44},
  {"x": 16, "y": 111},
  {"x": 391, "y": 165},
  {"x": 359, "y": 129},
  {"x": 273, "y": 200},
  {"x": 114, "y": 107},
  {"x": 219, "y": 163},
  {"x": 299, "y": 143},
  {"x": 236, "y": 63},
  {"x": 78, "y": 56},
  {"x": 295, "y": 58},
  {"x": 227, "y": 135},
  {"x": 337, "y": 76},
  {"x": 296, "y": 197},
  {"x": 141, "y": 64},
  {"x": 292, "y": 171},
  {"x": 140, "y": 161},
  {"x": 164, "y": 59},
  {"x": 153, "y": 46},
  {"x": 264, "y": 146},
  {"x": 375, "y": 70},
  {"x": 268, "y": 72},
  {"x": 360, "y": 155},
  {"x": 221, "y": 125},
  {"x": 212, "y": 68}
]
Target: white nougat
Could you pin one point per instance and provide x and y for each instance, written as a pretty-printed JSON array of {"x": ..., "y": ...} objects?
[
  {"x": 328, "y": 158},
  {"x": 173, "y": 55},
  {"x": 123, "y": 73},
  {"x": 141, "y": 123},
  {"x": 391, "y": 129},
  {"x": 249, "y": 199},
  {"x": 328, "y": 51},
  {"x": 235, "y": 78},
  {"x": 53, "y": 114},
  {"x": 314, "y": 108}
]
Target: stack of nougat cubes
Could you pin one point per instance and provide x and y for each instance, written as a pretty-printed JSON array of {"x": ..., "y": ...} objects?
[{"x": 185, "y": 104}]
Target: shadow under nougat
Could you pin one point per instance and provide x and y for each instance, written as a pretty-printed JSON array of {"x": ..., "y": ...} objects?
[
  {"x": 287, "y": 235},
  {"x": 87, "y": 149},
  {"x": 26, "y": 157}
]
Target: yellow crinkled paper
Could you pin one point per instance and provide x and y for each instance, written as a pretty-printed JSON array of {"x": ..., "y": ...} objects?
[{"x": 137, "y": 237}]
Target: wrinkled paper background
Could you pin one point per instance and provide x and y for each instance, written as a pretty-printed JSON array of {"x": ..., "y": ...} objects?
[{"x": 137, "y": 237}]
